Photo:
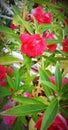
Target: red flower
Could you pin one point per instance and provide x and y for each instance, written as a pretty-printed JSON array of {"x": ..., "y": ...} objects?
[
  {"x": 9, "y": 120},
  {"x": 41, "y": 16},
  {"x": 60, "y": 9},
  {"x": 65, "y": 45},
  {"x": 3, "y": 71},
  {"x": 2, "y": 34},
  {"x": 60, "y": 123},
  {"x": 64, "y": 80},
  {"x": 48, "y": 35},
  {"x": 9, "y": 71},
  {"x": 2, "y": 75},
  {"x": 66, "y": 21},
  {"x": 13, "y": 26},
  {"x": 32, "y": 45}
]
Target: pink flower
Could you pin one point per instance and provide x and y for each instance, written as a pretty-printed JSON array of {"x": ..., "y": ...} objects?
[
  {"x": 64, "y": 80},
  {"x": 27, "y": 94},
  {"x": 47, "y": 35},
  {"x": 65, "y": 45},
  {"x": 32, "y": 45},
  {"x": 41, "y": 16},
  {"x": 3, "y": 71},
  {"x": 9, "y": 120},
  {"x": 60, "y": 123}
]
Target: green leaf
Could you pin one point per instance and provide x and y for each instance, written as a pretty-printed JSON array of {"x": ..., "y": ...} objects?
[
  {"x": 49, "y": 115},
  {"x": 17, "y": 79},
  {"x": 43, "y": 77},
  {"x": 11, "y": 82},
  {"x": 43, "y": 27},
  {"x": 58, "y": 77},
  {"x": 26, "y": 24},
  {"x": 17, "y": 125},
  {"x": 4, "y": 92},
  {"x": 7, "y": 60},
  {"x": 23, "y": 110},
  {"x": 64, "y": 112},
  {"x": 65, "y": 88},
  {"x": 50, "y": 85},
  {"x": 16, "y": 10},
  {"x": 43, "y": 74},
  {"x": 52, "y": 41},
  {"x": 26, "y": 100},
  {"x": 65, "y": 97},
  {"x": 50, "y": 59},
  {"x": 10, "y": 33}
]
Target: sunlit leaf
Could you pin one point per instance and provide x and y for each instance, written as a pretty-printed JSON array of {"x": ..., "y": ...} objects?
[
  {"x": 7, "y": 60},
  {"x": 23, "y": 110}
]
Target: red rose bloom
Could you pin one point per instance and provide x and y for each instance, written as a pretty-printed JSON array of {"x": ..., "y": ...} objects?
[
  {"x": 60, "y": 123},
  {"x": 41, "y": 16},
  {"x": 47, "y": 35},
  {"x": 65, "y": 45},
  {"x": 32, "y": 45},
  {"x": 9, "y": 120}
]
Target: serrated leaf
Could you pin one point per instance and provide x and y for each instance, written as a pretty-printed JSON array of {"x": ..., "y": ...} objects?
[
  {"x": 58, "y": 77},
  {"x": 4, "y": 92},
  {"x": 23, "y": 110},
  {"x": 26, "y": 100},
  {"x": 7, "y": 60},
  {"x": 50, "y": 114}
]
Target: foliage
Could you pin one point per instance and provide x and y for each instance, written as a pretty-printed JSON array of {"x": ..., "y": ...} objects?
[{"x": 34, "y": 87}]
